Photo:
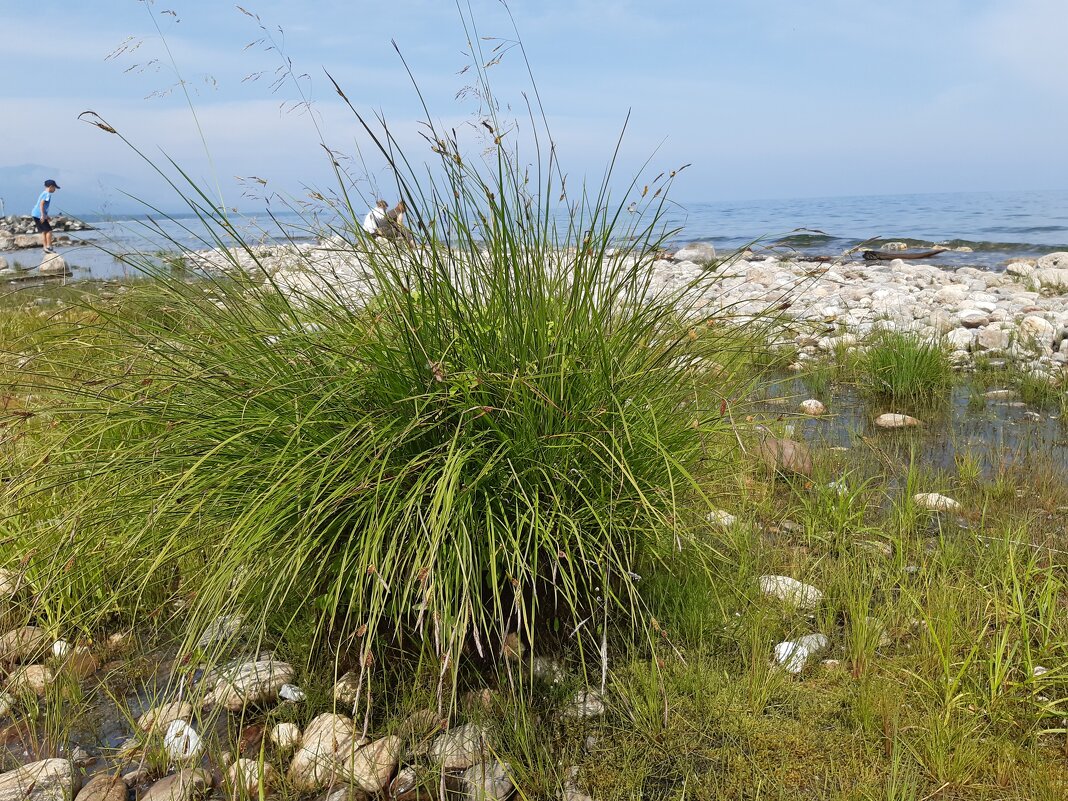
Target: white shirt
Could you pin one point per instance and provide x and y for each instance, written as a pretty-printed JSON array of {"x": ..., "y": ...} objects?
[{"x": 374, "y": 220}]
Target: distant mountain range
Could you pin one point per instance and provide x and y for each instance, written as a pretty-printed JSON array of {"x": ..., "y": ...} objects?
[{"x": 82, "y": 192}]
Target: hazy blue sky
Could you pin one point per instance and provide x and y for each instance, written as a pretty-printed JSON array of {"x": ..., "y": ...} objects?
[{"x": 767, "y": 98}]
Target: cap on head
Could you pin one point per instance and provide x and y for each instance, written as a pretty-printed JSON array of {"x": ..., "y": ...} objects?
[
  {"x": 50, "y": 182},
  {"x": 382, "y": 204}
]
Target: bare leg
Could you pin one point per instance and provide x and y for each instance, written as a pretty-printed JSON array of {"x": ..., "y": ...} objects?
[{"x": 48, "y": 240}]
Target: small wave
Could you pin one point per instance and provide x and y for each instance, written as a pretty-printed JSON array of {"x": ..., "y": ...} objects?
[
  {"x": 1002, "y": 247},
  {"x": 1034, "y": 229}
]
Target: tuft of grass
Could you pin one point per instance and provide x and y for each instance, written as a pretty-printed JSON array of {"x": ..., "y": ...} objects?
[
  {"x": 495, "y": 428},
  {"x": 905, "y": 369}
]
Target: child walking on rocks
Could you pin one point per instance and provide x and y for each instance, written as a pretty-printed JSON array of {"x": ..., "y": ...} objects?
[{"x": 40, "y": 214}]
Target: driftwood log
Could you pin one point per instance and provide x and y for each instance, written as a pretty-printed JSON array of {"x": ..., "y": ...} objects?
[{"x": 879, "y": 255}]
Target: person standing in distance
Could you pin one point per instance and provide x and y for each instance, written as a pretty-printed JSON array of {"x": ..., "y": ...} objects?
[
  {"x": 40, "y": 214},
  {"x": 376, "y": 219}
]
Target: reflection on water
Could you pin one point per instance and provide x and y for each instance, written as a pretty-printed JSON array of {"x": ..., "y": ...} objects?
[{"x": 994, "y": 431}]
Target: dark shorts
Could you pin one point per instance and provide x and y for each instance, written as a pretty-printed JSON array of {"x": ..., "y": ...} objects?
[{"x": 42, "y": 225}]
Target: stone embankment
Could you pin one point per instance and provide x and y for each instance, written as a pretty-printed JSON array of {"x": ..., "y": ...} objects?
[
  {"x": 1019, "y": 315},
  {"x": 17, "y": 233}
]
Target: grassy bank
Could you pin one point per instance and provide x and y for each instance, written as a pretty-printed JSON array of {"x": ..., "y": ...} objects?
[{"x": 942, "y": 676}]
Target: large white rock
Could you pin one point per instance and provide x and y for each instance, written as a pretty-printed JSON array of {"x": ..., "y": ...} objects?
[
  {"x": 247, "y": 777},
  {"x": 721, "y": 518},
  {"x": 24, "y": 643},
  {"x": 181, "y": 741},
  {"x": 1051, "y": 278},
  {"x": 317, "y": 762},
  {"x": 700, "y": 252},
  {"x": 1056, "y": 261},
  {"x": 585, "y": 704},
  {"x": 488, "y": 781},
  {"x": 892, "y": 420},
  {"x": 793, "y": 654},
  {"x": 1037, "y": 332},
  {"x": 53, "y": 264},
  {"x": 285, "y": 737},
  {"x": 1020, "y": 269},
  {"x": 933, "y": 502},
  {"x": 458, "y": 748},
  {"x": 29, "y": 240},
  {"x": 370, "y": 767},
  {"x": 960, "y": 339},
  {"x": 242, "y": 683},
  {"x": 792, "y": 591},
  {"x": 182, "y": 786},
  {"x": 992, "y": 338},
  {"x": 812, "y": 407},
  {"x": 47, "y": 780}
]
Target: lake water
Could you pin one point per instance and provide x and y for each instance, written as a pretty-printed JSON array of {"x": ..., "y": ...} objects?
[{"x": 997, "y": 226}]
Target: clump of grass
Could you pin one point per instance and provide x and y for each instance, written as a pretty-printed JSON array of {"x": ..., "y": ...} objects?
[
  {"x": 1039, "y": 391},
  {"x": 905, "y": 369},
  {"x": 495, "y": 429}
]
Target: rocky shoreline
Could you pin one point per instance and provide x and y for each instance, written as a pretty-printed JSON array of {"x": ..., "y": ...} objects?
[
  {"x": 19, "y": 232},
  {"x": 1019, "y": 315}
]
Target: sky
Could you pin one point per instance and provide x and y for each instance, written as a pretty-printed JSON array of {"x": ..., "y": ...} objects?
[{"x": 763, "y": 98}]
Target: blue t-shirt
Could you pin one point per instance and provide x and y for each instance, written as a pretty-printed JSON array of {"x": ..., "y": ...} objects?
[{"x": 46, "y": 196}]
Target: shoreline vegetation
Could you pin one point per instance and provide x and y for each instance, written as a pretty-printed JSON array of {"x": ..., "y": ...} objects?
[
  {"x": 888, "y": 626},
  {"x": 517, "y": 512}
]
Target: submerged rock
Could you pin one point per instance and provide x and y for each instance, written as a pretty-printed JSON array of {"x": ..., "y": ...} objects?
[
  {"x": 159, "y": 717},
  {"x": 1001, "y": 394},
  {"x": 785, "y": 456},
  {"x": 890, "y": 420},
  {"x": 933, "y": 502},
  {"x": 784, "y": 588},
  {"x": 47, "y": 780}
]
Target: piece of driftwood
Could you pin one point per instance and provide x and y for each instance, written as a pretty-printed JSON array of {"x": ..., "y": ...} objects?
[{"x": 879, "y": 255}]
